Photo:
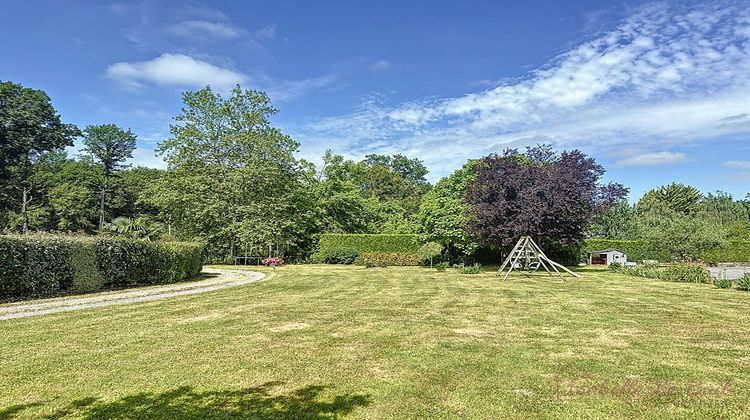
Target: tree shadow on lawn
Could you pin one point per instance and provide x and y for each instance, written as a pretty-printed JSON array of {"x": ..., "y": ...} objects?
[{"x": 185, "y": 403}]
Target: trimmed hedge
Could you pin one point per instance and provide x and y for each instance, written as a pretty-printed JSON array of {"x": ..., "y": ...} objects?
[
  {"x": 331, "y": 245},
  {"x": 40, "y": 266},
  {"x": 733, "y": 251},
  {"x": 385, "y": 259}
]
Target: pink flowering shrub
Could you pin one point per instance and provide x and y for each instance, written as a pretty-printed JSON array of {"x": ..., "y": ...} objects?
[{"x": 273, "y": 262}]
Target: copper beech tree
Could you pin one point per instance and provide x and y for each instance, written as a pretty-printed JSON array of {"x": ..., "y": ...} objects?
[{"x": 549, "y": 196}]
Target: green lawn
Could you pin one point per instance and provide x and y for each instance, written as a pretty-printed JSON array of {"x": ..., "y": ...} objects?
[{"x": 326, "y": 341}]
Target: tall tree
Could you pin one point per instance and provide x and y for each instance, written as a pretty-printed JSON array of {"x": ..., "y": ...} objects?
[
  {"x": 443, "y": 214},
  {"x": 681, "y": 198},
  {"x": 29, "y": 126},
  {"x": 233, "y": 180},
  {"x": 549, "y": 196},
  {"x": 110, "y": 145}
]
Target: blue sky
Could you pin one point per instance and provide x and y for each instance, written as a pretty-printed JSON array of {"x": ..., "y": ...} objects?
[{"x": 657, "y": 92}]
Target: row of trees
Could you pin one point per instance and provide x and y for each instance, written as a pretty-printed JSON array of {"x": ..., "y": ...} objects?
[
  {"x": 679, "y": 218},
  {"x": 233, "y": 180}
]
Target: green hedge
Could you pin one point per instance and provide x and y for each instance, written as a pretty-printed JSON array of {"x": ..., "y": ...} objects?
[
  {"x": 332, "y": 244},
  {"x": 43, "y": 266},
  {"x": 385, "y": 259},
  {"x": 370, "y": 242},
  {"x": 733, "y": 251}
]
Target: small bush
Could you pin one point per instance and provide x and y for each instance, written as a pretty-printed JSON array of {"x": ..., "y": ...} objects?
[
  {"x": 443, "y": 266},
  {"x": 340, "y": 256},
  {"x": 615, "y": 266},
  {"x": 743, "y": 283},
  {"x": 472, "y": 269},
  {"x": 273, "y": 262},
  {"x": 429, "y": 251},
  {"x": 723, "y": 283}
]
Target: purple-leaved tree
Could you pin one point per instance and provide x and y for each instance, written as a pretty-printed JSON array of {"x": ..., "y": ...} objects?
[{"x": 547, "y": 195}]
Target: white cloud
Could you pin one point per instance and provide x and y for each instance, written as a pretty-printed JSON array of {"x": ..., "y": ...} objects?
[
  {"x": 380, "y": 65},
  {"x": 666, "y": 75},
  {"x": 740, "y": 164},
  {"x": 196, "y": 28},
  {"x": 174, "y": 70},
  {"x": 653, "y": 159},
  {"x": 266, "y": 32},
  {"x": 288, "y": 90}
]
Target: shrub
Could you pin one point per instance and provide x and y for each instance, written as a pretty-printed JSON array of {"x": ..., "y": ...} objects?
[
  {"x": 443, "y": 266},
  {"x": 273, "y": 262},
  {"x": 743, "y": 283},
  {"x": 723, "y": 283},
  {"x": 615, "y": 266},
  {"x": 472, "y": 269},
  {"x": 373, "y": 259},
  {"x": 429, "y": 251},
  {"x": 340, "y": 256},
  {"x": 385, "y": 259},
  {"x": 39, "y": 266}
]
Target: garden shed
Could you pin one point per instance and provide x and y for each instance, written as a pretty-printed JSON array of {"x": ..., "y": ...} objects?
[{"x": 607, "y": 257}]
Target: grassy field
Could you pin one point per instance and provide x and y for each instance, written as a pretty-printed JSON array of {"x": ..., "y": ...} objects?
[{"x": 327, "y": 341}]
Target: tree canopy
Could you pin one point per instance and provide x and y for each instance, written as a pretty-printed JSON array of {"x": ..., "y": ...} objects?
[{"x": 547, "y": 195}]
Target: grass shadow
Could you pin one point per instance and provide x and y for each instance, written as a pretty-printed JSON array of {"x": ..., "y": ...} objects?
[
  {"x": 259, "y": 402},
  {"x": 10, "y": 412}
]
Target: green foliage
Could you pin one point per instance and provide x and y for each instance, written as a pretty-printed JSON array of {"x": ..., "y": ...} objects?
[
  {"x": 475, "y": 268},
  {"x": 732, "y": 251},
  {"x": 370, "y": 242},
  {"x": 38, "y": 266},
  {"x": 378, "y": 194},
  {"x": 442, "y": 266},
  {"x": 385, "y": 259},
  {"x": 429, "y": 251},
  {"x": 617, "y": 223},
  {"x": 442, "y": 213},
  {"x": 743, "y": 283},
  {"x": 82, "y": 257},
  {"x": 233, "y": 180},
  {"x": 679, "y": 198},
  {"x": 680, "y": 235},
  {"x": 678, "y": 272},
  {"x": 126, "y": 263},
  {"x": 340, "y": 256},
  {"x": 638, "y": 250},
  {"x": 615, "y": 266},
  {"x": 723, "y": 283}
]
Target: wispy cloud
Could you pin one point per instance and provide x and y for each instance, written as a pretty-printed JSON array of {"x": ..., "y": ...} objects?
[
  {"x": 174, "y": 70},
  {"x": 739, "y": 164},
  {"x": 198, "y": 28},
  {"x": 266, "y": 32},
  {"x": 380, "y": 65},
  {"x": 667, "y": 74},
  {"x": 653, "y": 159}
]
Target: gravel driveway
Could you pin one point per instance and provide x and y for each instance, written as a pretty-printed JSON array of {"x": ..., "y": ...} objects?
[
  {"x": 222, "y": 280},
  {"x": 730, "y": 272}
]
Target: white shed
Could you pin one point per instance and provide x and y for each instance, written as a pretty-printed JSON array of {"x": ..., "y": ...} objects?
[{"x": 607, "y": 257}]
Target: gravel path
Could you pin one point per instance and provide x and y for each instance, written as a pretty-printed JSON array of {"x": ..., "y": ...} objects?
[{"x": 223, "y": 280}]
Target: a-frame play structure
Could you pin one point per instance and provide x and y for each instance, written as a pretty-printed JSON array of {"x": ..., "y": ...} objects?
[{"x": 527, "y": 254}]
